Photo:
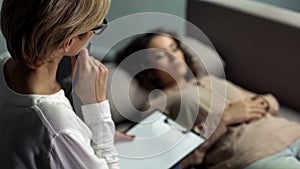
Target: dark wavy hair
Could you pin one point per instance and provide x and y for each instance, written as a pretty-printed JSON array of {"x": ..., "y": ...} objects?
[{"x": 148, "y": 78}]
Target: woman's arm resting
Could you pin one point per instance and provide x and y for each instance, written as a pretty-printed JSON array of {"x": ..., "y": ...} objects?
[{"x": 98, "y": 118}]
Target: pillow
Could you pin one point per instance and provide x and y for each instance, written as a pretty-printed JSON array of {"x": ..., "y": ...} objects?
[{"x": 209, "y": 57}]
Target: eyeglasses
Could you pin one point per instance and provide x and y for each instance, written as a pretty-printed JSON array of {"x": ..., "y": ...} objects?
[{"x": 100, "y": 28}]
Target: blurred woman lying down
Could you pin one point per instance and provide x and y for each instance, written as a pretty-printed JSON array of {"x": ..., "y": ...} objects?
[{"x": 250, "y": 134}]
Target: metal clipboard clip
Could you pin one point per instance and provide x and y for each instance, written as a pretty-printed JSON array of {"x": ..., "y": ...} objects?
[{"x": 175, "y": 125}]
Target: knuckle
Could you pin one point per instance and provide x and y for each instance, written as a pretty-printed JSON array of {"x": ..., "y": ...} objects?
[
  {"x": 103, "y": 69},
  {"x": 94, "y": 69}
]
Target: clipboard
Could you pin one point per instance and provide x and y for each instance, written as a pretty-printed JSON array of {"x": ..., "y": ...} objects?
[{"x": 160, "y": 142}]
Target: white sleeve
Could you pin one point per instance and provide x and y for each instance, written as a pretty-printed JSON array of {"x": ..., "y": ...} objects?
[
  {"x": 70, "y": 150},
  {"x": 98, "y": 118}
]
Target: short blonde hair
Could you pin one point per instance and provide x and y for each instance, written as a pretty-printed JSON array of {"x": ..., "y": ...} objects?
[{"x": 33, "y": 29}]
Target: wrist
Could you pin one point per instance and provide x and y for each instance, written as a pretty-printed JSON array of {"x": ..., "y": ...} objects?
[
  {"x": 100, "y": 99},
  {"x": 227, "y": 115},
  {"x": 92, "y": 100},
  {"x": 226, "y": 118},
  {"x": 88, "y": 101}
]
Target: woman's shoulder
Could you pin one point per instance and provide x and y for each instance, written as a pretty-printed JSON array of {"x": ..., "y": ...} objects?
[
  {"x": 58, "y": 115},
  {"x": 56, "y": 102}
]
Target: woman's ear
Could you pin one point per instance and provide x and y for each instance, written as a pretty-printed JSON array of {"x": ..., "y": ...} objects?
[
  {"x": 67, "y": 45},
  {"x": 64, "y": 48},
  {"x": 72, "y": 46}
]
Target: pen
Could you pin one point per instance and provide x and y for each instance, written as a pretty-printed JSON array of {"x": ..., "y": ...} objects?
[
  {"x": 73, "y": 63},
  {"x": 89, "y": 46},
  {"x": 74, "y": 58}
]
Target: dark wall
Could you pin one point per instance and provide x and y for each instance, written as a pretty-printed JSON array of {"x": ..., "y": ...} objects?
[{"x": 260, "y": 55}]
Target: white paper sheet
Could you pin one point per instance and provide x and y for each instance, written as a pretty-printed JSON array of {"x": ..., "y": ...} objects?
[{"x": 159, "y": 143}]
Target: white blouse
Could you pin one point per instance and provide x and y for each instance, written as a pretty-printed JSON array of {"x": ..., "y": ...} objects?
[{"x": 67, "y": 143}]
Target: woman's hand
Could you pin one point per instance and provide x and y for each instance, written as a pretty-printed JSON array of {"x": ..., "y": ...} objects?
[
  {"x": 245, "y": 111},
  {"x": 92, "y": 79},
  {"x": 119, "y": 137}
]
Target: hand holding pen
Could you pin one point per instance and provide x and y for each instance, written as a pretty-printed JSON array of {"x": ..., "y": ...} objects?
[
  {"x": 92, "y": 74},
  {"x": 92, "y": 77},
  {"x": 74, "y": 58}
]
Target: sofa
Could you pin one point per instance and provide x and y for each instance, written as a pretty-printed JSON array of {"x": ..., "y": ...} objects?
[{"x": 259, "y": 44}]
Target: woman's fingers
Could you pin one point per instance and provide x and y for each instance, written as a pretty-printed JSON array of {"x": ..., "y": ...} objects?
[
  {"x": 261, "y": 100},
  {"x": 258, "y": 104},
  {"x": 119, "y": 137},
  {"x": 244, "y": 111},
  {"x": 260, "y": 109},
  {"x": 101, "y": 81},
  {"x": 92, "y": 79},
  {"x": 94, "y": 62}
]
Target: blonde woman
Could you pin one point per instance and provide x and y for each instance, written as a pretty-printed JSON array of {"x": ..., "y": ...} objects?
[{"x": 38, "y": 128}]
